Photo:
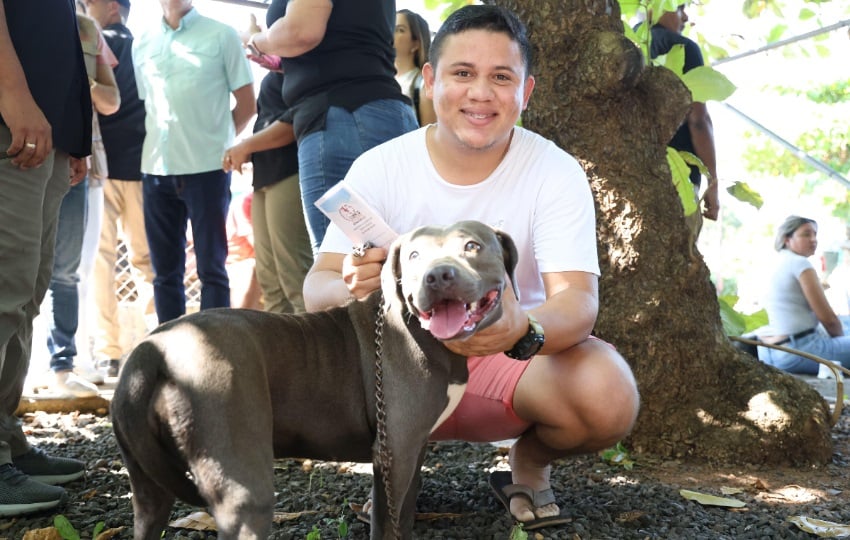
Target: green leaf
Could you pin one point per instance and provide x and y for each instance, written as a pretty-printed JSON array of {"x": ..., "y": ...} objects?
[
  {"x": 736, "y": 323},
  {"x": 618, "y": 456},
  {"x": 98, "y": 529},
  {"x": 629, "y": 8},
  {"x": 805, "y": 14},
  {"x": 681, "y": 179},
  {"x": 674, "y": 60},
  {"x": 744, "y": 193},
  {"x": 711, "y": 500},
  {"x": 342, "y": 529},
  {"x": 517, "y": 533},
  {"x": 66, "y": 530},
  {"x": 706, "y": 83},
  {"x": 776, "y": 33}
]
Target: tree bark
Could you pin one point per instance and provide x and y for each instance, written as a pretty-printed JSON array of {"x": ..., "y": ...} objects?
[{"x": 701, "y": 397}]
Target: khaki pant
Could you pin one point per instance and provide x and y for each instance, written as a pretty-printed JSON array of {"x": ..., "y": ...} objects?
[
  {"x": 122, "y": 200},
  {"x": 281, "y": 245}
]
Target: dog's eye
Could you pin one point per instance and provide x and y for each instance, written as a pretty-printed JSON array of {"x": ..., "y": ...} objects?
[
  {"x": 472, "y": 247},
  {"x": 413, "y": 256}
]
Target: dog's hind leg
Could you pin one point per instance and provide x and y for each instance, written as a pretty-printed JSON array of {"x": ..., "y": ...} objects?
[
  {"x": 243, "y": 501},
  {"x": 151, "y": 504},
  {"x": 236, "y": 473}
]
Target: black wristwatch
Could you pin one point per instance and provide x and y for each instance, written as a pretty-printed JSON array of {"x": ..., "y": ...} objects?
[{"x": 529, "y": 344}]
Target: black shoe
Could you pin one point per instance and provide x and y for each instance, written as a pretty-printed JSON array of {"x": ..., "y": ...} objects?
[
  {"x": 48, "y": 469},
  {"x": 109, "y": 367},
  {"x": 20, "y": 494}
]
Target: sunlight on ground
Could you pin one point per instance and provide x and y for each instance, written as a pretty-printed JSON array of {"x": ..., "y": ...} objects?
[{"x": 764, "y": 413}]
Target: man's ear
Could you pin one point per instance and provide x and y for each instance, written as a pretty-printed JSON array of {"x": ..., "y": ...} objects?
[
  {"x": 526, "y": 91},
  {"x": 428, "y": 75}
]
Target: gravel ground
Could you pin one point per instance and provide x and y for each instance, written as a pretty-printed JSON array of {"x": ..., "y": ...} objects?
[{"x": 604, "y": 501}]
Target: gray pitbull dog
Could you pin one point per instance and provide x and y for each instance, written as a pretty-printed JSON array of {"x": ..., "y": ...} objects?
[{"x": 206, "y": 402}]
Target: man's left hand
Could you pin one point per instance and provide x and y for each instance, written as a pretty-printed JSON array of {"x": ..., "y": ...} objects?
[{"x": 79, "y": 169}]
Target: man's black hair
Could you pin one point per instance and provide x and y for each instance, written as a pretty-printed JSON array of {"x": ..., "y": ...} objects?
[{"x": 483, "y": 17}]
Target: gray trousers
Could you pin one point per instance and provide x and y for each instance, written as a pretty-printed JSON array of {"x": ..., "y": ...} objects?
[{"x": 29, "y": 210}]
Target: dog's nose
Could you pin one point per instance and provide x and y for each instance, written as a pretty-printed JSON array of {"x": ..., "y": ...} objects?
[{"x": 440, "y": 276}]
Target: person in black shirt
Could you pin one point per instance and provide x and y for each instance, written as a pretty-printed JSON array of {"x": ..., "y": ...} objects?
[
  {"x": 45, "y": 134},
  {"x": 281, "y": 243},
  {"x": 123, "y": 136},
  {"x": 696, "y": 134},
  {"x": 340, "y": 85}
]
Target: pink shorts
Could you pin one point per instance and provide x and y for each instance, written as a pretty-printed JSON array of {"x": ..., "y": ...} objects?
[{"x": 486, "y": 410}]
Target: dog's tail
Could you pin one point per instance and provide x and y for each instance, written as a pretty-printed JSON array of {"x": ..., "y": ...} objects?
[{"x": 144, "y": 436}]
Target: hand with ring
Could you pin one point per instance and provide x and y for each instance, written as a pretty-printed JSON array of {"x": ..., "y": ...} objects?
[{"x": 32, "y": 135}]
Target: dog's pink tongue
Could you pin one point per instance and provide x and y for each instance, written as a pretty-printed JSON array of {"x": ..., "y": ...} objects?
[{"x": 447, "y": 319}]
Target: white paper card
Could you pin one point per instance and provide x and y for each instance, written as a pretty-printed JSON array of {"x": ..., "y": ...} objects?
[{"x": 355, "y": 217}]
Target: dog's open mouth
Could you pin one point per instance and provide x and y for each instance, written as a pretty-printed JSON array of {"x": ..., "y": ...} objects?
[{"x": 448, "y": 319}]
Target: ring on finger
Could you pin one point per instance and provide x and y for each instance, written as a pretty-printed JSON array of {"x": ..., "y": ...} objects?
[{"x": 30, "y": 145}]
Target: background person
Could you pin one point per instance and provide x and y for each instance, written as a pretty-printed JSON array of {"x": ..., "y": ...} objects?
[
  {"x": 186, "y": 70},
  {"x": 340, "y": 84},
  {"x": 696, "y": 134},
  {"x": 411, "y": 42},
  {"x": 65, "y": 281},
  {"x": 281, "y": 243},
  {"x": 123, "y": 136},
  {"x": 796, "y": 304},
  {"x": 574, "y": 395},
  {"x": 45, "y": 131}
]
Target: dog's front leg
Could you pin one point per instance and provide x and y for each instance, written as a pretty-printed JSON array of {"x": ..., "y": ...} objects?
[{"x": 403, "y": 481}]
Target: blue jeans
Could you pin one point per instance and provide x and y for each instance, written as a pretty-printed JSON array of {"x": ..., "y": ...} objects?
[
  {"x": 324, "y": 157},
  {"x": 169, "y": 203},
  {"x": 63, "y": 283},
  {"x": 818, "y": 344}
]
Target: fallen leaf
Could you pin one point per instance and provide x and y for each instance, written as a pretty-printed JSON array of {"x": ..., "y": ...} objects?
[
  {"x": 48, "y": 533},
  {"x": 627, "y": 517},
  {"x": 824, "y": 529},
  {"x": 710, "y": 500},
  {"x": 730, "y": 490},
  {"x": 198, "y": 521},
  {"x": 419, "y": 516},
  {"x": 280, "y": 517},
  {"x": 108, "y": 534},
  {"x": 758, "y": 484}
]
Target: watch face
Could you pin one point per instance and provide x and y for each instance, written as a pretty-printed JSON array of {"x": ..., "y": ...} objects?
[{"x": 530, "y": 344}]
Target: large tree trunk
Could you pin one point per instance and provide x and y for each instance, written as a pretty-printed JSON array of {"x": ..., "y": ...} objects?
[{"x": 701, "y": 398}]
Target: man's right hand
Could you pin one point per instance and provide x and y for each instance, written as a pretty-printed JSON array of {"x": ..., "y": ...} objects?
[
  {"x": 362, "y": 275},
  {"x": 32, "y": 136}
]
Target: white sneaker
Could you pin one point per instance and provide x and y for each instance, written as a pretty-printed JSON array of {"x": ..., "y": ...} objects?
[
  {"x": 87, "y": 371},
  {"x": 68, "y": 385},
  {"x": 824, "y": 372}
]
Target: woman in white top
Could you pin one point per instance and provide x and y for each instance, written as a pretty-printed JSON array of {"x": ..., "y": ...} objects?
[
  {"x": 796, "y": 304},
  {"x": 412, "y": 43}
]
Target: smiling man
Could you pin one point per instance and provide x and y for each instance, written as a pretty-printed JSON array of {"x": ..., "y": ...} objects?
[{"x": 569, "y": 393}]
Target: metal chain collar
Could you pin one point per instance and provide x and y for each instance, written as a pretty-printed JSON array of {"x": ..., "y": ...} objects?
[{"x": 385, "y": 457}]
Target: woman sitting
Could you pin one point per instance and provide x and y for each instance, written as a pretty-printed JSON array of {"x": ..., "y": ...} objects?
[{"x": 796, "y": 303}]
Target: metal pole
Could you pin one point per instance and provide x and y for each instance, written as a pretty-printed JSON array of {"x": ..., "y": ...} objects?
[
  {"x": 798, "y": 152},
  {"x": 783, "y": 42}
]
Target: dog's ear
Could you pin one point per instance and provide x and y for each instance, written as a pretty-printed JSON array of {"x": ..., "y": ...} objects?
[
  {"x": 391, "y": 274},
  {"x": 510, "y": 256}
]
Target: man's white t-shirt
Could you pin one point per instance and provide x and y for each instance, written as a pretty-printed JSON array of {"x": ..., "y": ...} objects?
[{"x": 538, "y": 194}]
